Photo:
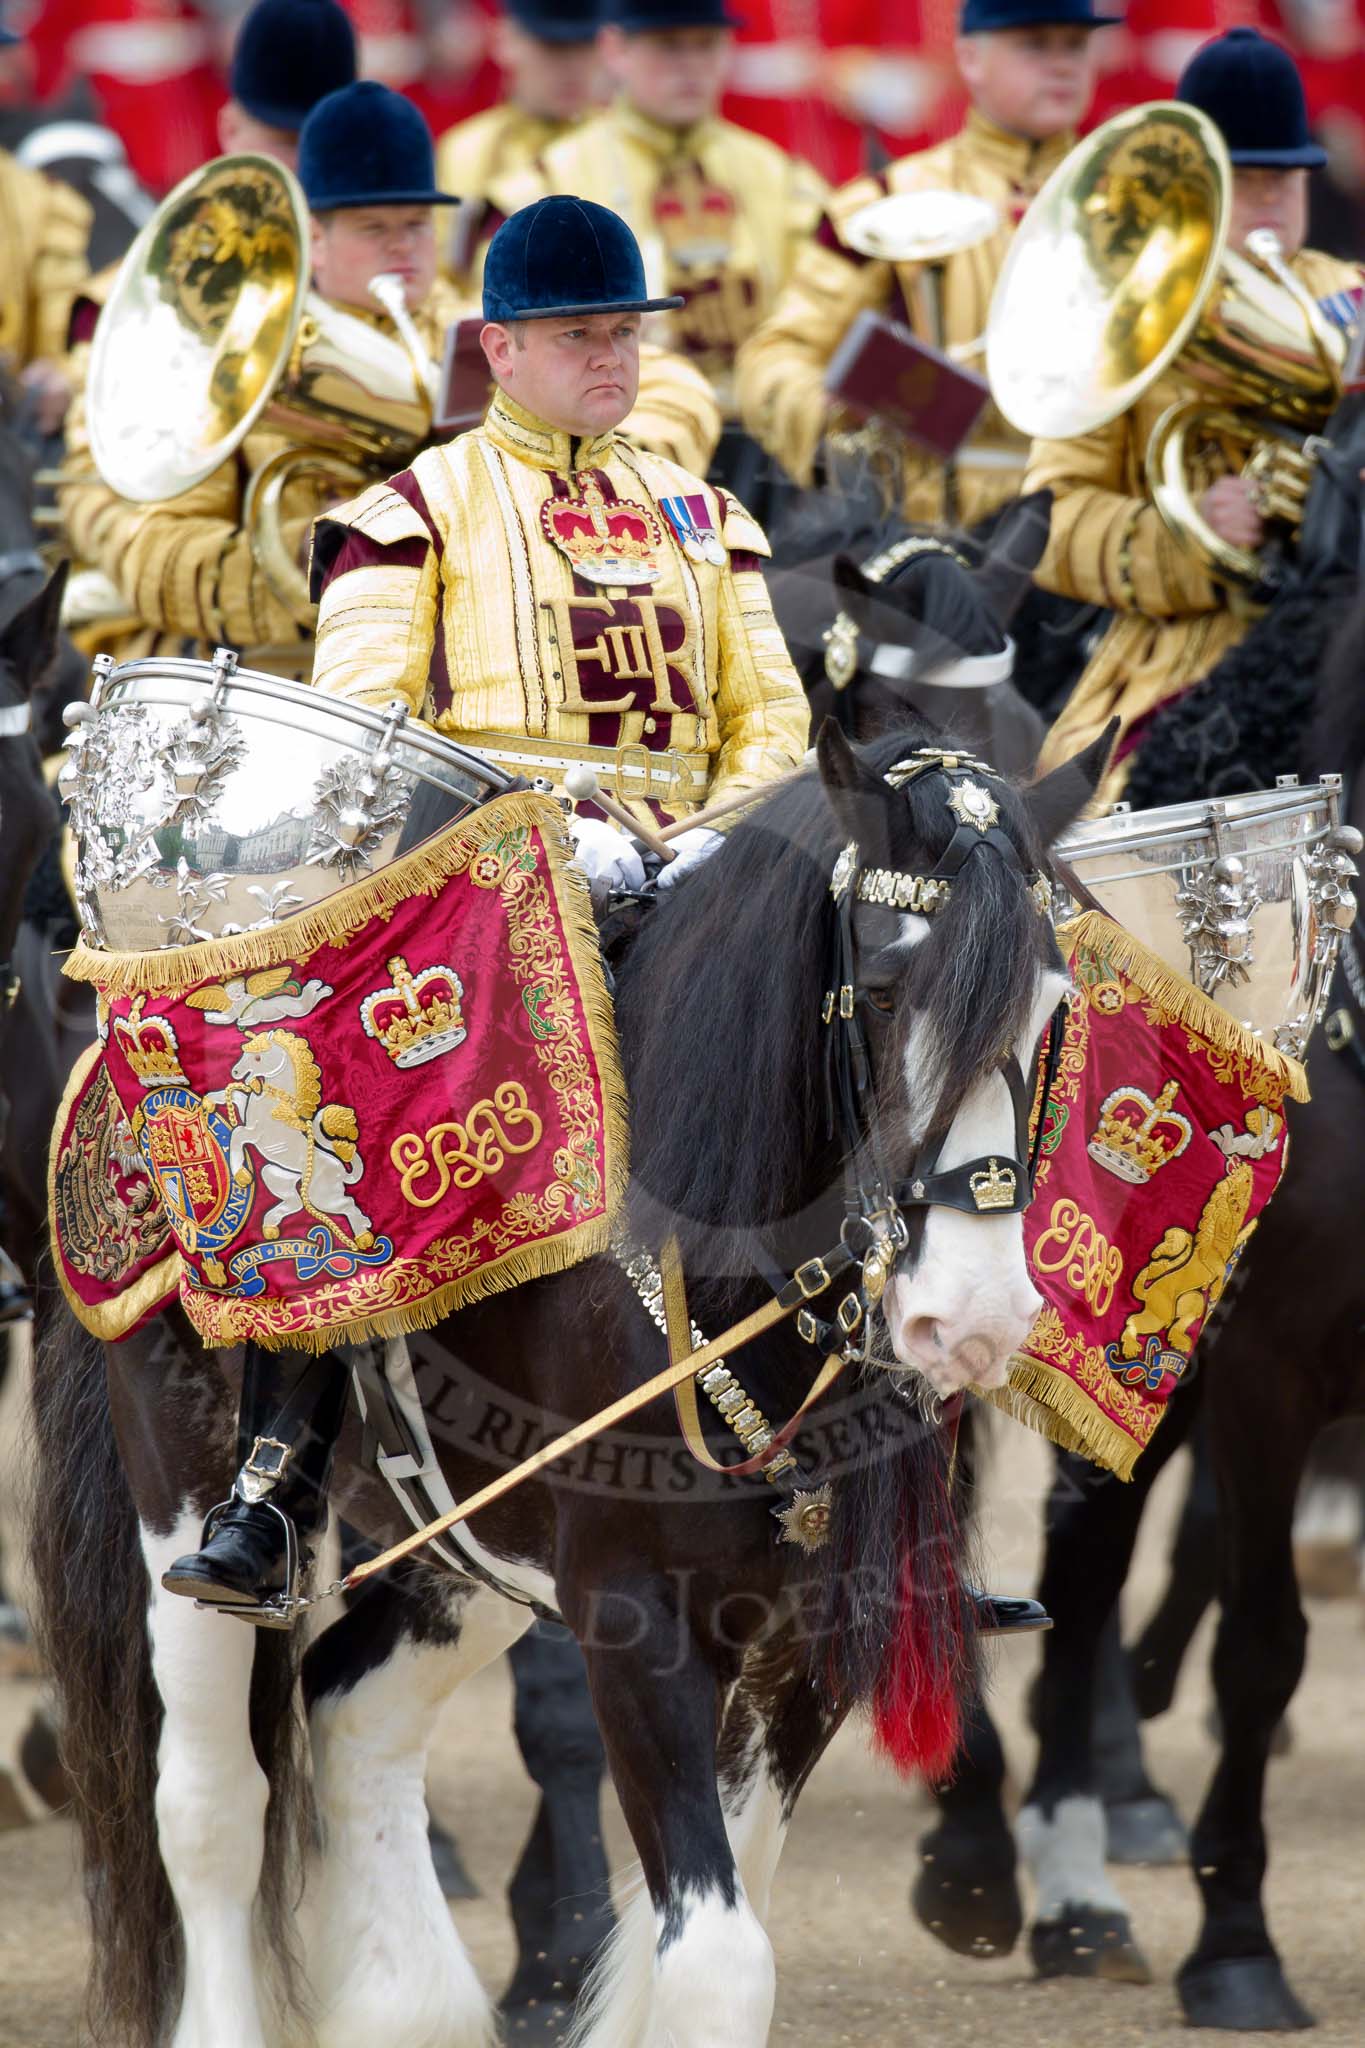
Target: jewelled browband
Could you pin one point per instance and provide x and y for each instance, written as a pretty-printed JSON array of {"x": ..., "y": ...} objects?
[{"x": 976, "y": 811}]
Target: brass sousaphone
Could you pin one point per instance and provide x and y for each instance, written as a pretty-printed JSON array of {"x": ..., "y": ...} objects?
[
  {"x": 1120, "y": 268},
  {"x": 211, "y": 329}
]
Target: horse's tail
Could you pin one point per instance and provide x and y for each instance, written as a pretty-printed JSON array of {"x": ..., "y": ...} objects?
[
  {"x": 91, "y": 1623},
  {"x": 91, "y": 1627}
]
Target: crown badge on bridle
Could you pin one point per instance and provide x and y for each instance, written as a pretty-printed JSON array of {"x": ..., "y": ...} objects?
[{"x": 996, "y": 1188}]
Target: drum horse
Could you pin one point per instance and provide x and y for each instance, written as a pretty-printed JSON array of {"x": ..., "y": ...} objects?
[{"x": 720, "y": 1662}]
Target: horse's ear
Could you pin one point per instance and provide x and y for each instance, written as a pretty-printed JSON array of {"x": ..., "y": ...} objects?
[
  {"x": 855, "y": 592},
  {"x": 30, "y": 642},
  {"x": 847, "y": 778},
  {"x": 1058, "y": 800},
  {"x": 1005, "y": 575}
]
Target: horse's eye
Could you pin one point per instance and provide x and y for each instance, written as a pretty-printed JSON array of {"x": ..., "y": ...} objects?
[{"x": 882, "y": 999}]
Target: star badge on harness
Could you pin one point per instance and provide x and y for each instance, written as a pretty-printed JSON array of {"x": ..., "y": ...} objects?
[
  {"x": 690, "y": 519},
  {"x": 973, "y": 805},
  {"x": 607, "y": 542},
  {"x": 807, "y": 1521}
]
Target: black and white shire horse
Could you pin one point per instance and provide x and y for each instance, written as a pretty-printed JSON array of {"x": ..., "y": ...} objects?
[
  {"x": 1281, "y": 1364},
  {"x": 721, "y": 1659}
]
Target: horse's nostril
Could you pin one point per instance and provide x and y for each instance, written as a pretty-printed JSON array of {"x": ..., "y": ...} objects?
[{"x": 925, "y": 1334}]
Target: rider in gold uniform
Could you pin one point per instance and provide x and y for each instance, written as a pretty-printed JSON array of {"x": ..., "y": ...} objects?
[
  {"x": 44, "y": 241},
  {"x": 552, "y": 77},
  {"x": 187, "y": 566},
  {"x": 720, "y": 214},
  {"x": 544, "y": 592},
  {"x": 1028, "y": 67},
  {"x": 1108, "y": 543}
]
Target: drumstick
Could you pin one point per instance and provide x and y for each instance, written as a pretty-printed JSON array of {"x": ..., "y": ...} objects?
[
  {"x": 724, "y": 805},
  {"x": 581, "y": 783}
]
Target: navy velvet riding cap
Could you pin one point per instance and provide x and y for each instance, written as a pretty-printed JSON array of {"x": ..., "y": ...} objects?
[
  {"x": 978, "y": 16},
  {"x": 368, "y": 146},
  {"x": 638, "y": 17},
  {"x": 1251, "y": 90},
  {"x": 560, "y": 258},
  {"x": 289, "y": 55},
  {"x": 555, "y": 21}
]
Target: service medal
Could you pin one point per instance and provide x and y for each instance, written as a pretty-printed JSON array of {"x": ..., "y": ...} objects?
[{"x": 690, "y": 520}]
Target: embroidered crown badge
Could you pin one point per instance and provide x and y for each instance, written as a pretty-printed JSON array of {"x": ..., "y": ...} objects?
[
  {"x": 1136, "y": 1137},
  {"x": 607, "y": 543},
  {"x": 150, "y": 1046},
  {"x": 419, "y": 1016}
]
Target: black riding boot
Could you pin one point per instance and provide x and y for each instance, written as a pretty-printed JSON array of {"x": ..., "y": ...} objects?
[
  {"x": 293, "y": 1405},
  {"x": 1000, "y": 1614}
]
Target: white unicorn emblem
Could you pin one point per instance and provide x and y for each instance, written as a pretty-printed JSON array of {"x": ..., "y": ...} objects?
[{"x": 308, "y": 1148}]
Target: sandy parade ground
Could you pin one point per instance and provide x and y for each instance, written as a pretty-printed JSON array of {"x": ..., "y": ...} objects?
[{"x": 853, "y": 1968}]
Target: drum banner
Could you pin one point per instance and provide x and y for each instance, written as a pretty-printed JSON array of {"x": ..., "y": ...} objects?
[
  {"x": 112, "y": 1245},
  {"x": 1164, "y": 1141},
  {"x": 365, "y": 1116}
]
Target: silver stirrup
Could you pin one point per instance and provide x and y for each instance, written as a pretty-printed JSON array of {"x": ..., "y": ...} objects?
[{"x": 265, "y": 1467}]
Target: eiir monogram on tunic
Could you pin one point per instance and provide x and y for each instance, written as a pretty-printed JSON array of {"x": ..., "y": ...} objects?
[{"x": 623, "y": 654}]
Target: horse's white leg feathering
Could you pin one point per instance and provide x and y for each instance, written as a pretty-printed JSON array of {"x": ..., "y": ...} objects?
[
  {"x": 210, "y": 1802},
  {"x": 704, "y": 1979},
  {"x": 385, "y": 1962}
]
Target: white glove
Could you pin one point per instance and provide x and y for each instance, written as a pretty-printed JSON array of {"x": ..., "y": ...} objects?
[
  {"x": 605, "y": 854},
  {"x": 690, "y": 849}
]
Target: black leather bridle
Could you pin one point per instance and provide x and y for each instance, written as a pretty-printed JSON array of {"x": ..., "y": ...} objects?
[{"x": 995, "y": 1184}]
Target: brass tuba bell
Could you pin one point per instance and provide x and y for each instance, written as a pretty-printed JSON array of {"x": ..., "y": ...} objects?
[
  {"x": 1119, "y": 270},
  {"x": 211, "y": 329}
]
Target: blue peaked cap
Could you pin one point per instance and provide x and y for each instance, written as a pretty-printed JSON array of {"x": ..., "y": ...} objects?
[
  {"x": 289, "y": 55},
  {"x": 368, "y": 146},
  {"x": 561, "y": 257}
]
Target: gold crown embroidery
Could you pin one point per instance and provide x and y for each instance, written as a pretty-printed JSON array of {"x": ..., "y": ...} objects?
[
  {"x": 1136, "y": 1137},
  {"x": 150, "y": 1046},
  {"x": 419, "y": 1016}
]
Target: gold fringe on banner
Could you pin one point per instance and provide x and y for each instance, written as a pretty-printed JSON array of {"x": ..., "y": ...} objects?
[
  {"x": 1182, "y": 1002},
  {"x": 337, "y": 918},
  {"x": 1052, "y": 1405},
  {"x": 221, "y": 1321}
]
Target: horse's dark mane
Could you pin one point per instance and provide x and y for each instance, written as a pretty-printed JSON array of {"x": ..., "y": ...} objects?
[
  {"x": 728, "y": 1112},
  {"x": 1335, "y": 741}
]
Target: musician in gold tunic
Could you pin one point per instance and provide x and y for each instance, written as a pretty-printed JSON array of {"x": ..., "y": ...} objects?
[
  {"x": 547, "y": 593},
  {"x": 720, "y": 214},
  {"x": 593, "y": 603},
  {"x": 551, "y": 78},
  {"x": 188, "y": 567},
  {"x": 1108, "y": 543},
  {"x": 1028, "y": 68},
  {"x": 44, "y": 243}
]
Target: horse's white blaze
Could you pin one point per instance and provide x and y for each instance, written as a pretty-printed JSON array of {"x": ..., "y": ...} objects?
[
  {"x": 210, "y": 1802},
  {"x": 1066, "y": 1857},
  {"x": 714, "y": 1980},
  {"x": 968, "y": 1302},
  {"x": 385, "y": 1962}
]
